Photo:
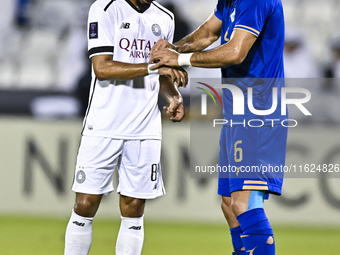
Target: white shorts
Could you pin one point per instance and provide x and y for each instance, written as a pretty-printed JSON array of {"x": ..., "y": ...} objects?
[{"x": 137, "y": 161}]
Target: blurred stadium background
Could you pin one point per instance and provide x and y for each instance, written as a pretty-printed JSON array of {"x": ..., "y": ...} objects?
[{"x": 44, "y": 83}]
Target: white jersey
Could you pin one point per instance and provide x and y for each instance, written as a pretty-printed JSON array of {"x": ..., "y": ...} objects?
[{"x": 125, "y": 109}]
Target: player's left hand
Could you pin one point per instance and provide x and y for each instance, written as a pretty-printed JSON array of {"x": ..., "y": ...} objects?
[
  {"x": 177, "y": 75},
  {"x": 161, "y": 44},
  {"x": 175, "y": 111},
  {"x": 164, "y": 57}
]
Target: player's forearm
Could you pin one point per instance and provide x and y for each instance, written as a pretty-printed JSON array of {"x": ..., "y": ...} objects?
[
  {"x": 217, "y": 58},
  {"x": 196, "y": 41},
  {"x": 192, "y": 45},
  {"x": 202, "y": 37},
  {"x": 169, "y": 91},
  {"x": 118, "y": 70},
  {"x": 232, "y": 53}
]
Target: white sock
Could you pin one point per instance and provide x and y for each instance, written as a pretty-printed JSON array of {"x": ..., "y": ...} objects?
[
  {"x": 130, "y": 237},
  {"x": 78, "y": 236}
]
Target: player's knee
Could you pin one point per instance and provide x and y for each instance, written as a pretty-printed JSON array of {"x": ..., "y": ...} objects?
[
  {"x": 132, "y": 207},
  {"x": 238, "y": 206},
  {"x": 86, "y": 207}
]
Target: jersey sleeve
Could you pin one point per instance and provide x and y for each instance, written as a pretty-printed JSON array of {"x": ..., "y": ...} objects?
[
  {"x": 170, "y": 36},
  {"x": 219, "y": 10},
  {"x": 100, "y": 32},
  {"x": 251, "y": 16}
]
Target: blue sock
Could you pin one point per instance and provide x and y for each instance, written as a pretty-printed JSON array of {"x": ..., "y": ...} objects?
[
  {"x": 257, "y": 236},
  {"x": 240, "y": 253},
  {"x": 236, "y": 238},
  {"x": 237, "y": 241}
]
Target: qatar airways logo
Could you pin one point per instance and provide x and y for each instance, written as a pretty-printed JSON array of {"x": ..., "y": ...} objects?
[{"x": 138, "y": 48}]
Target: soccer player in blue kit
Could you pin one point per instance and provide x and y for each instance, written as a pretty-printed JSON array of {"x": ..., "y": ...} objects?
[{"x": 252, "y": 41}]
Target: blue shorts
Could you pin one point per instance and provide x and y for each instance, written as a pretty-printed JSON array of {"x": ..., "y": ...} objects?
[{"x": 252, "y": 158}]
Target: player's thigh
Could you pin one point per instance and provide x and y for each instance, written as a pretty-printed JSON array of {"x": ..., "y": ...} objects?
[
  {"x": 96, "y": 161},
  {"x": 140, "y": 174}
]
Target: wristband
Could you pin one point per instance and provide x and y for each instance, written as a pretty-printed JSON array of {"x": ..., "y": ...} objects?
[
  {"x": 184, "y": 59},
  {"x": 152, "y": 71}
]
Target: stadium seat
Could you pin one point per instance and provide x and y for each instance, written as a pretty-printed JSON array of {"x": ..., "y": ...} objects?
[
  {"x": 52, "y": 107},
  {"x": 38, "y": 53}
]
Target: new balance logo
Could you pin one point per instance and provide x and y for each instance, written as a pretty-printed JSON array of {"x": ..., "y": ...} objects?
[
  {"x": 136, "y": 227},
  {"x": 79, "y": 223},
  {"x": 124, "y": 25}
]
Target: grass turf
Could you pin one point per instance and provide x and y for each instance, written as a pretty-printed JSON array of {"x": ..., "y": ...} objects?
[{"x": 45, "y": 236}]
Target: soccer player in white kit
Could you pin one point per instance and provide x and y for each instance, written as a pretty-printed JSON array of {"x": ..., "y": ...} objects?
[{"x": 122, "y": 126}]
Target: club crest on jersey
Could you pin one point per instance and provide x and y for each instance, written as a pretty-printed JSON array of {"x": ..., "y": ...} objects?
[
  {"x": 93, "y": 30},
  {"x": 156, "y": 30},
  {"x": 80, "y": 176}
]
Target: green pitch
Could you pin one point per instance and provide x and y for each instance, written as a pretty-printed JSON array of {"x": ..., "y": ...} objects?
[{"x": 42, "y": 236}]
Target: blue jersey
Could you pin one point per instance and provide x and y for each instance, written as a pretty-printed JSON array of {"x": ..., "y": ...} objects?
[{"x": 262, "y": 69}]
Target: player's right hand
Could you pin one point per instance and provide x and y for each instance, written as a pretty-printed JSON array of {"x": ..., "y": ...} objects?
[
  {"x": 178, "y": 75},
  {"x": 161, "y": 44},
  {"x": 175, "y": 111}
]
